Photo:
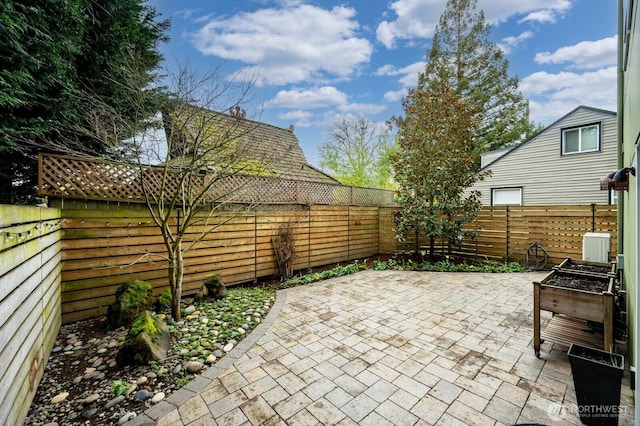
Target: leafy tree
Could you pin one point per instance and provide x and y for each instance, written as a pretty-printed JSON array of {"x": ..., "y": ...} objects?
[
  {"x": 434, "y": 165},
  {"x": 357, "y": 153},
  {"x": 463, "y": 57},
  {"x": 54, "y": 50}
]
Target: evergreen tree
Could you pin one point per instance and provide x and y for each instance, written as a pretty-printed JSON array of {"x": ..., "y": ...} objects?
[
  {"x": 434, "y": 165},
  {"x": 56, "y": 55},
  {"x": 463, "y": 57}
]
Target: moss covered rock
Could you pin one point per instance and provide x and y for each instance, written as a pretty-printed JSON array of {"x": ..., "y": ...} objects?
[
  {"x": 213, "y": 288},
  {"x": 164, "y": 300},
  {"x": 148, "y": 339},
  {"x": 131, "y": 299}
]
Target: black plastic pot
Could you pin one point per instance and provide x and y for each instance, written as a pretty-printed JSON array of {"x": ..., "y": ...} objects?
[{"x": 597, "y": 377}]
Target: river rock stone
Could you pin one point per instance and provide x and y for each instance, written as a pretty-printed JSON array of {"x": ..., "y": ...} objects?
[
  {"x": 228, "y": 347},
  {"x": 89, "y": 413},
  {"x": 127, "y": 417},
  {"x": 141, "y": 381},
  {"x": 142, "y": 395},
  {"x": 194, "y": 367},
  {"x": 91, "y": 398},
  {"x": 115, "y": 401},
  {"x": 59, "y": 397},
  {"x": 211, "y": 359},
  {"x": 157, "y": 397},
  {"x": 189, "y": 309}
]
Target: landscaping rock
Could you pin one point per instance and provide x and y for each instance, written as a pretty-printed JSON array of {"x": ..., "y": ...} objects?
[
  {"x": 148, "y": 339},
  {"x": 157, "y": 397},
  {"x": 127, "y": 417},
  {"x": 59, "y": 397},
  {"x": 213, "y": 289},
  {"x": 194, "y": 367},
  {"x": 131, "y": 300},
  {"x": 142, "y": 395}
]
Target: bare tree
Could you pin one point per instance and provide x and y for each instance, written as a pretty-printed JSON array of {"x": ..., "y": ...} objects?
[{"x": 199, "y": 165}]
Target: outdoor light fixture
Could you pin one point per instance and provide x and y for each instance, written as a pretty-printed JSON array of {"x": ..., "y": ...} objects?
[
  {"x": 618, "y": 180},
  {"x": 622, "y": 175}
]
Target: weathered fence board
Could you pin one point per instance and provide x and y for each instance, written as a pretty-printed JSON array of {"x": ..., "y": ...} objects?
[{"x": 29, "y": 303}]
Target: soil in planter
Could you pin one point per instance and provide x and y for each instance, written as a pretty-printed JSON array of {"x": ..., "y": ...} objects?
[
  {"x": 579, "y": 283},
  {"x": 586, "y": 268},
  {"x": 606, "y": 359}
]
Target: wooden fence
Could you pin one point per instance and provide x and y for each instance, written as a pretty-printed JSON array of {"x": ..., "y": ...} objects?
[
  {"x": 506, "y": 232},
  {"x": 29, "y": 303},
  {"x": 107, "y": 244}
]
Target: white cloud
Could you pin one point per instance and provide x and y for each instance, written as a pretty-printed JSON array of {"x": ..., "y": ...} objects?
[
  {"x": 553, "y": 95},
  {"x": 583, "y": 55},
  {"x": 541, "y": 16},
  {"x": 417, "y": 19},
  {"x": 395, "y": 96},
  {"x": 295, "y": 115},
  {"x": 361, "y": 109},
  {"x": 509, "y": 43},
  {"x": 289, "y": 45},
  {"x": 320, "y": 97},
  {"x": 408, "y": 75}
]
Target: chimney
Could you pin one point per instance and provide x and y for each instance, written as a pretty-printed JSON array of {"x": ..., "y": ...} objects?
[{"x": 291, "y": 128}]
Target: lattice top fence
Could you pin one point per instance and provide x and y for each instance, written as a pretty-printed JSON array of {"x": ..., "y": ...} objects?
[{"x": 69, "y": 177}]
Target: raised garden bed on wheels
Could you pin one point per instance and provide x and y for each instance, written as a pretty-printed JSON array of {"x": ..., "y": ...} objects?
[{"x": 574, "y": 297}]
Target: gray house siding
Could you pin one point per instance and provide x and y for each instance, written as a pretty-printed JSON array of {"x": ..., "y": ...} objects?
[{"x": 549, "y": 178}]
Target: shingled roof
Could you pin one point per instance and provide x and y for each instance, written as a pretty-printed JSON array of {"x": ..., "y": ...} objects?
[{"x": 276, "y": 149}]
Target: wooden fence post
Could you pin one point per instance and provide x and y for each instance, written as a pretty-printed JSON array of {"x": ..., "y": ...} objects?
[{"x": 507, "y": 235}]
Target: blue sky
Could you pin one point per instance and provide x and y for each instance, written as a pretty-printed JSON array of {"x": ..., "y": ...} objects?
[{"x": 314, "y": 61}]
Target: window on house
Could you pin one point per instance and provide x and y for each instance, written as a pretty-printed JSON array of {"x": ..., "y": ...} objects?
[
  {"x": 613, "y": 196},
  {"x": 506, "y": 196},
  {"x": 581, "y": 139}
]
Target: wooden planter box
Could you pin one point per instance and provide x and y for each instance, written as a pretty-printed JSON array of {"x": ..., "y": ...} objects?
[
  {"x": 568, "y": 304},
  {"x": 586, "y": 268}
]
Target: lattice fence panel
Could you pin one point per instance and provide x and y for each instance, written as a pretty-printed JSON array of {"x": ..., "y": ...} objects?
[
  {"x": 371, "y": 197},
  {"x": 68, "y": 177}
]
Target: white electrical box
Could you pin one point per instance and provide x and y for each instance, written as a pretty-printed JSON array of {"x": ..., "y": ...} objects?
[{"x": 595, "y": 247}]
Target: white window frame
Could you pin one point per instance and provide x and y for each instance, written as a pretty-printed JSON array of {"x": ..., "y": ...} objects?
[
  {"x": 563, "y": 147},
  {"x": 513, "y": 188}
]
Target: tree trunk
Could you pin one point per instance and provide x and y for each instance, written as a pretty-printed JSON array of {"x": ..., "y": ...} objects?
[{"x": 176, "y": 273}]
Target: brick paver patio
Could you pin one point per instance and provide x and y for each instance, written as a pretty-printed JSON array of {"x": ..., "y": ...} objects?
[{"x": 389, "y": 348}]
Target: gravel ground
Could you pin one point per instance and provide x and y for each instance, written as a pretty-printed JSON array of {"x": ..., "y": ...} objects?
[{"x": 82, "y": 384}]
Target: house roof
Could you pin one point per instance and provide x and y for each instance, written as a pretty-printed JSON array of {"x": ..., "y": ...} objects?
[
  {"x": 276, "y": 148},
  {"x": 511, "y": 149}
]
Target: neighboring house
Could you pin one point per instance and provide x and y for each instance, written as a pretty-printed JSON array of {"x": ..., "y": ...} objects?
[
  {"x": 272, "y": 151},
  {"x": 628, "y": 150},
  {"x": 562, "y": 164}
]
